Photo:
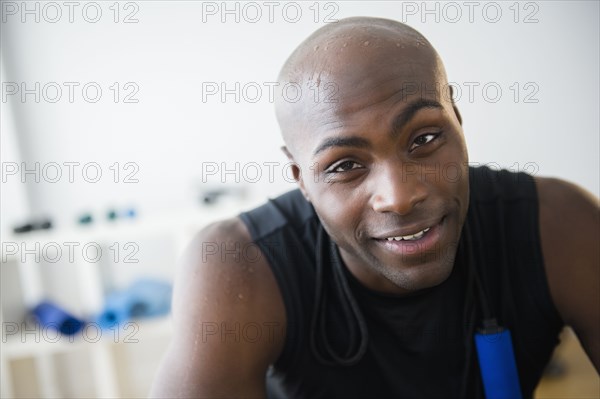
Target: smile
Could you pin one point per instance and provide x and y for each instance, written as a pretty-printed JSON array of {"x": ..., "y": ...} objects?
[
  {"x": 414, "y": 244},
  {"x": 409, "y": 237}
]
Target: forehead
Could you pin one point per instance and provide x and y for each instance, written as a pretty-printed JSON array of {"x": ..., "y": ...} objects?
[{"x": 361, "y": 83}]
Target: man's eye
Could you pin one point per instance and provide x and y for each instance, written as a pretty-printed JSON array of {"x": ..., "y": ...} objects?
[
  {"x": 345, "y": 166},
  {"x": 424, "y": 139}
]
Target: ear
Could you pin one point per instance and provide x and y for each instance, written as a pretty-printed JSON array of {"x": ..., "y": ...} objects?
[
  {"x": 296, "y": 171},
  {"x": 454, "y": 107}
]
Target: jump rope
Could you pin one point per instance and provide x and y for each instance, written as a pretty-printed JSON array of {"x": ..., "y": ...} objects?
[{"x": 492, "y": 342}]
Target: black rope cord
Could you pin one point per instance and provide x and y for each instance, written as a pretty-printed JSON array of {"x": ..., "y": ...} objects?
[
  {"x": 357, "y": 331},
  {"x": 469, "y": 314},
  {"x": 470, "y": 309},
  {"x": 320, "y": 344},
  {"x": 471, "y": 300}
]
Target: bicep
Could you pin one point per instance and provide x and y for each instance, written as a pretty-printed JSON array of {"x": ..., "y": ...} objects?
[
  {"x": 228, "y": 321},
  {"x": 188, "y": 371},
  {"x": 570, "y": 229}
]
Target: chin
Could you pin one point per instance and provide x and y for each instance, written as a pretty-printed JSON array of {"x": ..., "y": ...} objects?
[{"x": 414, "y": 278}]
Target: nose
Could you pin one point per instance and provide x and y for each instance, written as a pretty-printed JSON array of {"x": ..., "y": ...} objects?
[{"x": 398, "y": 188}]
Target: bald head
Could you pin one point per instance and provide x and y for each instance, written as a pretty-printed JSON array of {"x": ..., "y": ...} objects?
[
  {"x": 370, "y": 125},
  {"x": 346, "y": 60},
  {"x": 320, "y": 50}
]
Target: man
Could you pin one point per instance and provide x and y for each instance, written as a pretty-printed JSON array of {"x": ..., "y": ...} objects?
[{"x": 374, "y": 276}]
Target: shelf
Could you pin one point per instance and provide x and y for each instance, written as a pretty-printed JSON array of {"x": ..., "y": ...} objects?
[
  {"x": 183, "y": 221},
  {"x": 79, "y": 285},
  {"x": 27, "y": 344}
]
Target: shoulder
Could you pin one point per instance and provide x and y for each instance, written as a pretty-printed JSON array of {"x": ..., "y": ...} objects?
[
  {"x": 228, "y": 318},
  {"x": 569, "y": 221},
  {"x": 556, "y": 192},
  {"x": 223, "y": 270}
]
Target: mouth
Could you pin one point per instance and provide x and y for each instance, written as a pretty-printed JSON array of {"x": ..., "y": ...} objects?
[
  {"x": 410, "y": 237},
  {"x": 414, "y": 243}
]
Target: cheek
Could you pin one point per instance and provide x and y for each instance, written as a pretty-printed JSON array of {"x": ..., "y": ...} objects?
[
  {"x": 339, "y": 212},
  {"x": 448, "y": 169}
]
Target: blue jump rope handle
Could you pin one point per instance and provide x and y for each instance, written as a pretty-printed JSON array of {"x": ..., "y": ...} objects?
[
  {"x": 497, "y": 364},
  {"x": 51, "y": 315},
  {"x": 144, "y": 298}
]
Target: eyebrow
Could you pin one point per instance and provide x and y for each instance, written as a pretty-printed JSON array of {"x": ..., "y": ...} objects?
[
  {"x": 410, "y": 111},
  {"x": 402, "y": 119},
  {"x": 356, "y": 142}
]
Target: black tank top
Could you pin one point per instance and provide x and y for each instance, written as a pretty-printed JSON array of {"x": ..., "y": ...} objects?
[{"x": 420, "y": 345}]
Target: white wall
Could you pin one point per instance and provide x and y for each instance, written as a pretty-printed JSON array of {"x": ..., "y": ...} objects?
[
  {"x": 170, "y": 133},
  {"x": 174, "y": 48}
]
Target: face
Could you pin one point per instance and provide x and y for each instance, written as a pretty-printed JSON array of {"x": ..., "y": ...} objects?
[{"x": 385, "y": 167}]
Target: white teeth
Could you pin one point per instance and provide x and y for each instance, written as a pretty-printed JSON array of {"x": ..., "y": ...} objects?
[{"x": 409, "y": 237}]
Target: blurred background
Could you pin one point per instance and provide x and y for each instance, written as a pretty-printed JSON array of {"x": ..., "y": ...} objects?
[{"x": 126, "y": 126}]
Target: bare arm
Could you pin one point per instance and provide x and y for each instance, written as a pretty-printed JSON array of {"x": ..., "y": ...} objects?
[
  {"x": 570, "y": 234},
  {"x": 228, "y": 319}
]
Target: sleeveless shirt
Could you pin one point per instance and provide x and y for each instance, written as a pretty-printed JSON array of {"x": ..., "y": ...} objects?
[{"x": 417, "y": 345}]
